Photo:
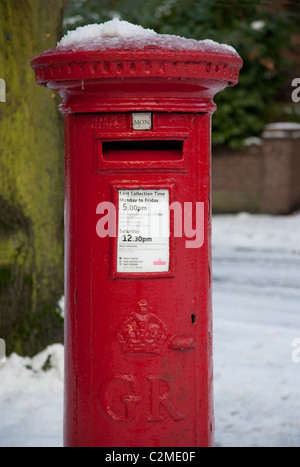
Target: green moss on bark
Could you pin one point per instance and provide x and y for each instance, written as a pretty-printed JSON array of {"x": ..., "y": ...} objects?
[{"x": 31, "y": 178}]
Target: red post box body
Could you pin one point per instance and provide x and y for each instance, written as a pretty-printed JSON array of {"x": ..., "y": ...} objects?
[{"x": 138, "y": 324}]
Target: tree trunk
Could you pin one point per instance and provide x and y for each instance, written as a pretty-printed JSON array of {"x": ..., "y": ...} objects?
[{"x": 31, "y": 181}]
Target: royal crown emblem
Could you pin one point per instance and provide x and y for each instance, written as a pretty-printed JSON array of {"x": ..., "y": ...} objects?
[{"x": 142, "y": 332}]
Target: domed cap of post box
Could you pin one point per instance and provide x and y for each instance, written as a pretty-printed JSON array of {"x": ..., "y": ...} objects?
[{"x": 119, "y": 57}]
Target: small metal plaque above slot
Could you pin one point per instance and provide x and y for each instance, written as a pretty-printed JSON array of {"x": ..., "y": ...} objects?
[{"x": 141, "y": 120}]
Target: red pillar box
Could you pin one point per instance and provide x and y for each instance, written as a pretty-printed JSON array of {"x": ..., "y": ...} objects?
[{"x": 137, "y": 110}]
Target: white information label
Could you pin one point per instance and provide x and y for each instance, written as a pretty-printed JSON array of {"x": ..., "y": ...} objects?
[{"x": 143, "y": 231}]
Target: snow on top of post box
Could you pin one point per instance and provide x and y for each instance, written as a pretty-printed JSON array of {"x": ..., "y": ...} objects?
[{"x": 117, "y": 34}]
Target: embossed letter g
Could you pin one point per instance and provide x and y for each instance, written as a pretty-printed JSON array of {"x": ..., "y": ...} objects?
[{"x": 118, "y": 399}]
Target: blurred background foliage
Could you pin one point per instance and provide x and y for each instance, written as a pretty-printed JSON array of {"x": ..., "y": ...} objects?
[{"x": 261, "y": 31}]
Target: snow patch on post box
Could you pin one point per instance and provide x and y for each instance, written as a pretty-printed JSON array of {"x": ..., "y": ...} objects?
[{"x": 117, "y": 34}]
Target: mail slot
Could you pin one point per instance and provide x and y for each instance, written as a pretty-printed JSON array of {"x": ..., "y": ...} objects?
[
  {"x": 136, "y": 150},
  {"x": 138, "y": 323}
]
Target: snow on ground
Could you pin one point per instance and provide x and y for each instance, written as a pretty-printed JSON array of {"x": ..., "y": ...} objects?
[
  {"x": 31, "y": 400},
  {"x": 256, "y": 318},
  {"x": 256, "y": 296}
]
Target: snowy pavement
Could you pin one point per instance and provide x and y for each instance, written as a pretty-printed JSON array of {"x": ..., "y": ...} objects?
[
  {"x": 256, "y": 297},
  {"x": 256, "y": 302}
]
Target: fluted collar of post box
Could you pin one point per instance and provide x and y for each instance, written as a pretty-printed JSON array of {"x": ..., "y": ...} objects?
[{"x": 118, "y": 49}]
